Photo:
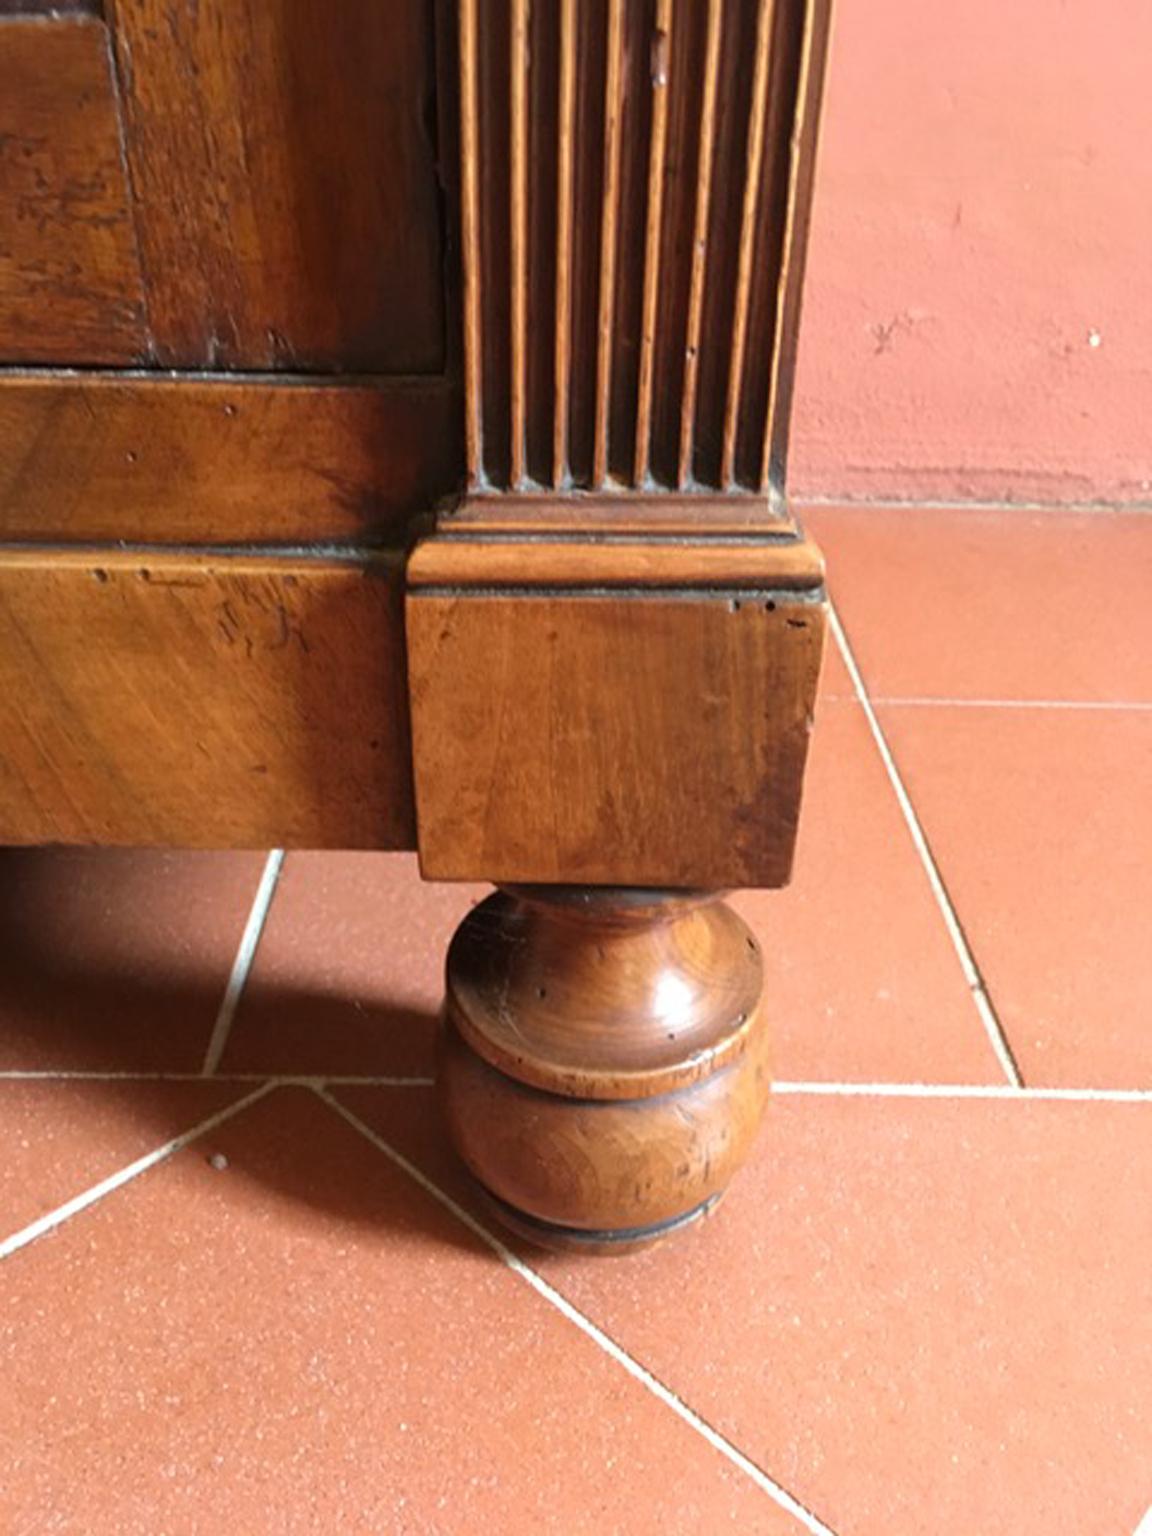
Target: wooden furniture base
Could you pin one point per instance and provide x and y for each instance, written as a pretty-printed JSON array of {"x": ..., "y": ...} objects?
[
  {"x": 325, "y": 538},
  {"x": 603, "y": 1059}
]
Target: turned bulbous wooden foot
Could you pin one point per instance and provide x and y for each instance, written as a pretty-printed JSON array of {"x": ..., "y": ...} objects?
[{"x": 602, "y": 1059}]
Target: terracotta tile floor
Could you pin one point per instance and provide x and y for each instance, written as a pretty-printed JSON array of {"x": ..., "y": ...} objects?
[{"x": 245, "y": 1289}]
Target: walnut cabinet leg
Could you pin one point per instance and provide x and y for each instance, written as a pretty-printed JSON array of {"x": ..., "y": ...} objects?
[
  {"x": 614, "y": 636},
  {"x": 603, "y": 1059}
]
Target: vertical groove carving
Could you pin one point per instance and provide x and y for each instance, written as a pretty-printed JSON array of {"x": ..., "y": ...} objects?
[
  {"x": 813, "y": 58},
  {"x": 609, "y": 237},
  {"x": 518, "y": 238},
  {"x": 658, "y": 66},
  {"x": 754, "y": 154},
  {"x": 470, "y": 240},
  {"x": 633, "y": 203},
  {"x": 566, "y": 135},
  {"x": 699, "y": 257}
]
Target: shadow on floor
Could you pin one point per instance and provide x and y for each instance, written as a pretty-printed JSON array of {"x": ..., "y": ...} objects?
[{"x": 98, "y": 974}]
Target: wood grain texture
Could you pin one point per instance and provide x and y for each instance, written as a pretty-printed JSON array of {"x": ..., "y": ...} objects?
[
  {"x": 565, "y": 185},
  {"x": 611, "y": 738},
  {"x": 518, "y": 235},
  {"x": 639, "y": 513},
  {"x": 645, "y": 163},
  {"x": 470, "y": 240},
  {"x": 617, "y": 1035},
  {"x": 698, "y": 261},
  {"x": 91, "y": 457},
  {"x": 202, "y": 701},
  {"x": 605, "y": 994},
  {"x": 653, "y": 238},
  {"x": 812, "y": 70},
  {"x": 285, "y": 180},
  {"x": 626, "y": 561},
  {"x": 610, "y": 220},
  {"x": 70, "y": 285},
  {"x": 753, "y": 162}
]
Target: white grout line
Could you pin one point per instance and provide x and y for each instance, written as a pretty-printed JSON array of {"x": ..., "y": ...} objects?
[
  {"x": 815, "y": 1088},
  {"x": 967, "y": 1091},
  {"x": 963, "y": 950},
  {"x": 114, "y": 1181},
  {"x": 1145, "y": 1526},
  {"x": 1118, "y": 705},
  {"x": 350, "y": 1080},
  {"x": 541, "y": 1286},
  {"x": 241, "y": 966},
  {"x": 47, "y": 1075},
  {"x": 278, "y": 1080}
]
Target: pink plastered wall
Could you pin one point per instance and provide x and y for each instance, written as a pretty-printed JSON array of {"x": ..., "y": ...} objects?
[{"x": 978, "y": 315}]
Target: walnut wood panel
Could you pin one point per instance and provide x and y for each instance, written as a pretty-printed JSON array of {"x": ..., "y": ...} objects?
[
  {"x": 611, "y": 738},
  {"x": 202, "y": 701},
  {"x": 634, "y": 181},
  {"x": 85, "y": 457},
  {"x": 283, "y": 159},
  {"x": 70, "y": 287}
]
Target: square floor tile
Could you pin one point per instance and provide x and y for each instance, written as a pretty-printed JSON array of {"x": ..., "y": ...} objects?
[
  {"x": 61, "y": 1137},
  {"x": 861, "y": 979},
  {"x": 349, "y": 975},
  {"x": 994, "y": 605},
  {"x": 923, "y": 1316},
  {"x": 1041, "y": 822},
  {"x": 307, "y": 1342},
  {"x": 117, "y": 959}
]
